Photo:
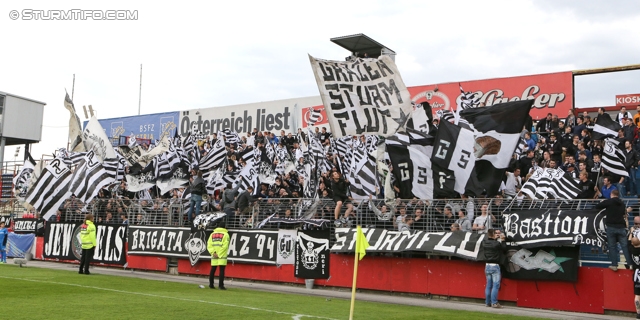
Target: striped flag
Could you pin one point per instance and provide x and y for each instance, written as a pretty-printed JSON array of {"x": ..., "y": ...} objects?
[
  {"x": 231, "y": 137},
  {"x": 76, "y": 157},
  {"x": 468, "y": 99},
  {"x": 445, "y": 115},
  {"x": 605, "y": 127},
  {"x": 613, "y": 159},
  {"x": 564, "y": 185},
  {"x": 88, "y": 178},
  {"x": 215, "y": 157},
  {"x": 111, "y": 165},
  {"x": 534, "y": 186},
  {"x": 313, "y": 118},
  {"x": 51, "y": 189}
]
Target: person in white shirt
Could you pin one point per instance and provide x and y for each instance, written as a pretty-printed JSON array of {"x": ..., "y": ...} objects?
[
  {"x": 484, "y": 221},
  {"x": 513, "y": 183}
]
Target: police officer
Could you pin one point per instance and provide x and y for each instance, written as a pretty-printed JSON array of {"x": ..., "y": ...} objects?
[
  {"x": 88, "y": 238},
  {"x": 218, "y": 247}
]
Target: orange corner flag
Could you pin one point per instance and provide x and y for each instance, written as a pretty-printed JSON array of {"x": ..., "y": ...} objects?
[{"x": 361, "y": 244}]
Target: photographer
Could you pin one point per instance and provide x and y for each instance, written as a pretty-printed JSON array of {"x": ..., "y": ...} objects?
[{"x": 494, "y": 247}]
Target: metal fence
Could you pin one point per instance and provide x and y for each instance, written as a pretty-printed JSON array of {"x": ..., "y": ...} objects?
[{"x": 425, "y": 215}]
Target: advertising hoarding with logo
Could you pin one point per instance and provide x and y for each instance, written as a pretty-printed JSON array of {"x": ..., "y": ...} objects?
[
  {"x": 551, "y": 92},
  {"x": 147, "y": 126}
]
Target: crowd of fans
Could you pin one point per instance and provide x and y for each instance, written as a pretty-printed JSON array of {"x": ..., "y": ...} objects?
[
  {"x": 552, "y": 142},
  {"x": 567, "y": 144}
]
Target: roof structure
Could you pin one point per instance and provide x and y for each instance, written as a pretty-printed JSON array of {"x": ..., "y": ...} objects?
[{"x": 362, "y": 44}]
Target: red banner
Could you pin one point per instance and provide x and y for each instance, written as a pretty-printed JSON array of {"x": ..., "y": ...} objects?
[
  {"x": 628, "y": 100},
  {"x": 552, "y": 93}
]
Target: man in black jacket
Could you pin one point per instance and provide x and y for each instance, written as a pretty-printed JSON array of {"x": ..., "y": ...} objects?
[
  {"x": 245, "y": 201},
  {"x": 198, "y": 188},
  {"x": 555, "y": 149},
  {"x": 340, "y": 188},
  {"x": 616, "y": 225},
  {"x": 494, "y": 247},
  {"x": 632, "y": 160}
]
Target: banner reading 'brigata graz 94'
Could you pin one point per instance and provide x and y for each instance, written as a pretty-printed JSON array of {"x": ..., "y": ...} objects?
[{"x": 551, "y": 92}]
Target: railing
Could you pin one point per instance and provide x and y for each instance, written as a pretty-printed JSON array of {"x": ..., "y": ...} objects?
[
  {"x": 434, "y": 216},
  {"x": 426, "y": 215}
]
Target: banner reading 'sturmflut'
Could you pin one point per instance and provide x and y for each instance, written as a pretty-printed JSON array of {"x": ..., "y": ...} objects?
[
  {"x": 462, "y": 244},
  {"x": 363, "y": 96}
]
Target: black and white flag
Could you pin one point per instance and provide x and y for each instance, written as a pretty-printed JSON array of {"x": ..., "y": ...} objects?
[
  {"x": 75, "y": 129},
  {"x": 497, "y": 132},
  {"x": 605, "y": 127},
  {"x": 454, "y": 149},
  {"x": 215, "y": 157},
  {"x": 467, "y": 100},
  {"x": 536, "y": 185},
  {"x": 51, "y": 189},
  {"x": 421, "y": 118},
  {"x": 613, "y": 158},
  {"x": 564, "y": 186},
  {"x": 412, "y": 169},
  {"x": 21, "y": 180},
  {"x": 312, "y": 254},
  {"x": 313, "y": 118},
  {"x": 88, "y": 178}
]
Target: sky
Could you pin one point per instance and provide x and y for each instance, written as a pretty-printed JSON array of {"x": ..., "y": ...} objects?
[{"x": 219, "y": 53}]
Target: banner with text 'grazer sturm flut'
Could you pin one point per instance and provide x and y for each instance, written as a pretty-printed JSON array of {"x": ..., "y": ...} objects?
[
  {"x": 462, "y": 244},
  {"x": 362, "y": 96}
]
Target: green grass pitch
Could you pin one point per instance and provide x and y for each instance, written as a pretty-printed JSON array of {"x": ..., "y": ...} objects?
[{"x": 33, "y": 293}]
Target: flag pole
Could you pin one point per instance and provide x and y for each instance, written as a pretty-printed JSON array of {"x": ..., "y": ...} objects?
[{"x": 355, "y": 278}]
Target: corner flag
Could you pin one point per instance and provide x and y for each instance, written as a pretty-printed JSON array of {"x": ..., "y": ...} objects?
[
  {"x": 361, "y": 244},
  {"x": 361, "y": 250}
]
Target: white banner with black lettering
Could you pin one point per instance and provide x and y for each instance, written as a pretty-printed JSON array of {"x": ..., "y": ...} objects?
[
  {"x": 62, "y": 241},
  {"x": 251, "y": 246},
  {"x": 363, "y": 96},
  {"x": 462, "y": 244},
  {"x": 287, "y": 246}
]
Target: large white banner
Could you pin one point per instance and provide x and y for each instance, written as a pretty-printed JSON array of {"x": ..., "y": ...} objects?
[
  {"x": 363, "y": 96},
  {"x": 270, "y": 116},
  {"x": 96, "y": 139}
]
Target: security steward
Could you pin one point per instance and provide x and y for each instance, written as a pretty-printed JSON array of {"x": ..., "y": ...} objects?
[
  {"x": 218, "y": 247},
  {"x": 89, "y": 241}
]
